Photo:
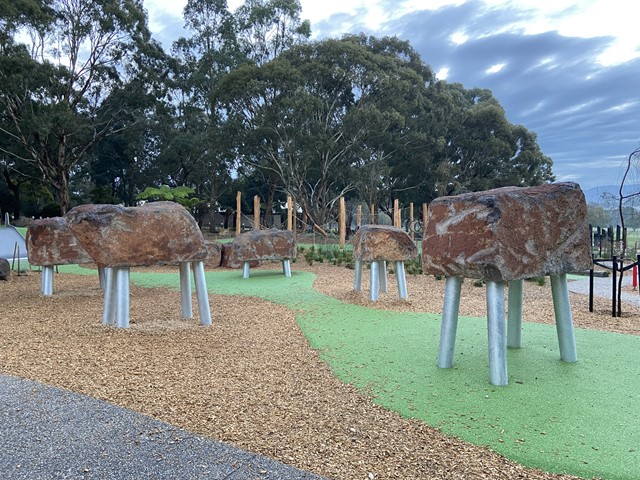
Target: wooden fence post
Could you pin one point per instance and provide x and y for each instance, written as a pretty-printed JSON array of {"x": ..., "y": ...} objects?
[
  {"x": 294, "y": 216},
  {"x": 359, "y": 216},
  {"x": 342, "y": 228},
  {"x": 372, "y": 215},
  {"x": 238, "y": 212},
  {"x": 256, "y": 212},
  {"x": 425, "y": 211},
  {"x": 411, "y": 232},
  {"x": 396, "y": 213},
  {"x": 289, "y": 213}
]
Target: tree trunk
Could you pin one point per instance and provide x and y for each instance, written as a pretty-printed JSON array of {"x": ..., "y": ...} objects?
[
  {"x": 63, "y": 192},
  {"x": 268, "y": 216},
  {"x": 14, "y": 186}
]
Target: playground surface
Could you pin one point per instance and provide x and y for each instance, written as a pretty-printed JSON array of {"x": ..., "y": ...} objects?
[{"x": 355, "y": 393}]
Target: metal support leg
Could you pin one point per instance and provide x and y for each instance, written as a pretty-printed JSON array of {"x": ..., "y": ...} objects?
[
  {"x": 357, "y": 280},
  {"x": 564, "y": 322},
  {"x": 185, "y": 290},
  {"x": 122, "y": 296},
  {"x": 514, "y": 314},
  {"x": 495, "y": 327},
  {"x": 449, "y": 324},
  {"x": 109, "y": 306},
  {"x": 384, "y": 284},
  {"x": 245, "y": 270},
  {"x": 202, "y": 295},
  {"x": 47, "y": 280},
  {"x": 401, "y": 279},
  {"x": 101, "y": 278},
  {"x": 286, "y": 267},
  {"x": 374, "y": 282}
]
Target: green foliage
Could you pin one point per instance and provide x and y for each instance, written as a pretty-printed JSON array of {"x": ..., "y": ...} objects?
[
  {"x": 181, "y": 195},
  {"x": 51, "y": 210},
  {"x": 165, "y": 192},
  {"x": 243, "y": 93},
  {"x": 55, "y": 110},
  {"x": 478, "y": 282}
]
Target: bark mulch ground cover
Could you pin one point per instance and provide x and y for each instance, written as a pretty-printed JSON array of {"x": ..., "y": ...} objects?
[{"x": 251, "y": 379}]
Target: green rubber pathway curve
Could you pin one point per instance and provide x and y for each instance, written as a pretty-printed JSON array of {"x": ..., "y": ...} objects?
[{"x": 581, "y": 418}]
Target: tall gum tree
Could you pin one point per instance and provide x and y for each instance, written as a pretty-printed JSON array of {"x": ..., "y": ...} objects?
[
  {"x": 54, "y": 94},
  {"x": 310, "y": 115}
]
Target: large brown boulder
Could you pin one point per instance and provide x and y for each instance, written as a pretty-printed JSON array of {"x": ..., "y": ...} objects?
[
  {"x": 50, "y": 241},
  {"x": 214, "y": 254},
  {"x": 262, "y": 245},
  {"x": 229, "y": 259},
  {"x": 157, "y": 233},
  {"x": 381, "y": 242},
  {"x": 508, "y": 233}
]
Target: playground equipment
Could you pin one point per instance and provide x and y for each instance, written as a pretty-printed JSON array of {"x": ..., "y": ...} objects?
[
  {"x": 506, "y": 235},
  {"x": 378, "y": 244},
  {"x": 12, "y": 244},
  {"x": 158, "y": 233},
  {"x": 263, "y": 245}
]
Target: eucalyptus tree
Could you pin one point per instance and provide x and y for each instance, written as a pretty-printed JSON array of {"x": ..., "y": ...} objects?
[
  {"x": 54, "y": 97},
  {"x": 482, "y": 149},
  {"x": 321, "y": 111},
  {"x": 267, "y": 28},
  {"x": 196, "y": 146}
]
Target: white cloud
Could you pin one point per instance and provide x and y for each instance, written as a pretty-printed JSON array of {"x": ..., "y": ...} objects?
[
  {"x": 459, "y": 38},
  {"x": 495, "y": 68},
  {"x": 442, "y": 73}
]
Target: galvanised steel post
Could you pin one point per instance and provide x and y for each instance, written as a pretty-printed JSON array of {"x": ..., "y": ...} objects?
[
  {"x": 449, "y": 324},
  {"x": 514, "y": 315},
  {"x": 122, "y": 296},
  {"x": 185, "y": 290},
  {"x": 357, "y": 279},
  {"x": 496, "y": 336},
  {"x": 47, "y": 280},
  {"x": 109, "y": 307},
  {"x": 401, "y": 279},
  {"x": 202, "y": 295},
  {"x": 564, "y": 322}
]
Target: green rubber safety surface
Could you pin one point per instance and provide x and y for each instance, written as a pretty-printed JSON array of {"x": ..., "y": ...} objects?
[{"x": 580, "y": 418}]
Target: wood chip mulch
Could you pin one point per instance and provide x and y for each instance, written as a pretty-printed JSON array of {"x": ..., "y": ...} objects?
[{"x": 251, "y": 379}]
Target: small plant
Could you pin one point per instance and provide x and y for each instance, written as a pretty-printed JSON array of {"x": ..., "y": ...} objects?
[
  {"x": 438, "y": 277},
  {"x": 478, "y": 282},
  {"x": 309, "y": 255}
]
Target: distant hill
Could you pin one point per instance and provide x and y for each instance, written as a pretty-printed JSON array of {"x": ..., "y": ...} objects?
[{"x": 594, "y": 194}]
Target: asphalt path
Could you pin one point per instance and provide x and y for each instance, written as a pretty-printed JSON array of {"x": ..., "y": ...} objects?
[{"x": 50, "y": 433}]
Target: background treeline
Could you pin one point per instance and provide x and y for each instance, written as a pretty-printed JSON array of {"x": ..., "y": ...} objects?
[{"x": 95, "y": 110}]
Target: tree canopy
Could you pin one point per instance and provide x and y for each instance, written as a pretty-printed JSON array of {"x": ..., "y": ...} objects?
[{"x": 94, "y": 109}]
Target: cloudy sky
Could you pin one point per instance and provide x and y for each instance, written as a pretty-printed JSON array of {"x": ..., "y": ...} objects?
[{"x": 567, "y": 70}]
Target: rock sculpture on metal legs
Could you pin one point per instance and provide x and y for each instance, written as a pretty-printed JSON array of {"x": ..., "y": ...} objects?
[
  {"x": 50, "y": 242},
  {"x": 158, "y": 233},
  {"x": 507, "y": 235},
  {"x": 264, "y": 245},
  {"x": 379, "y": 244}
]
